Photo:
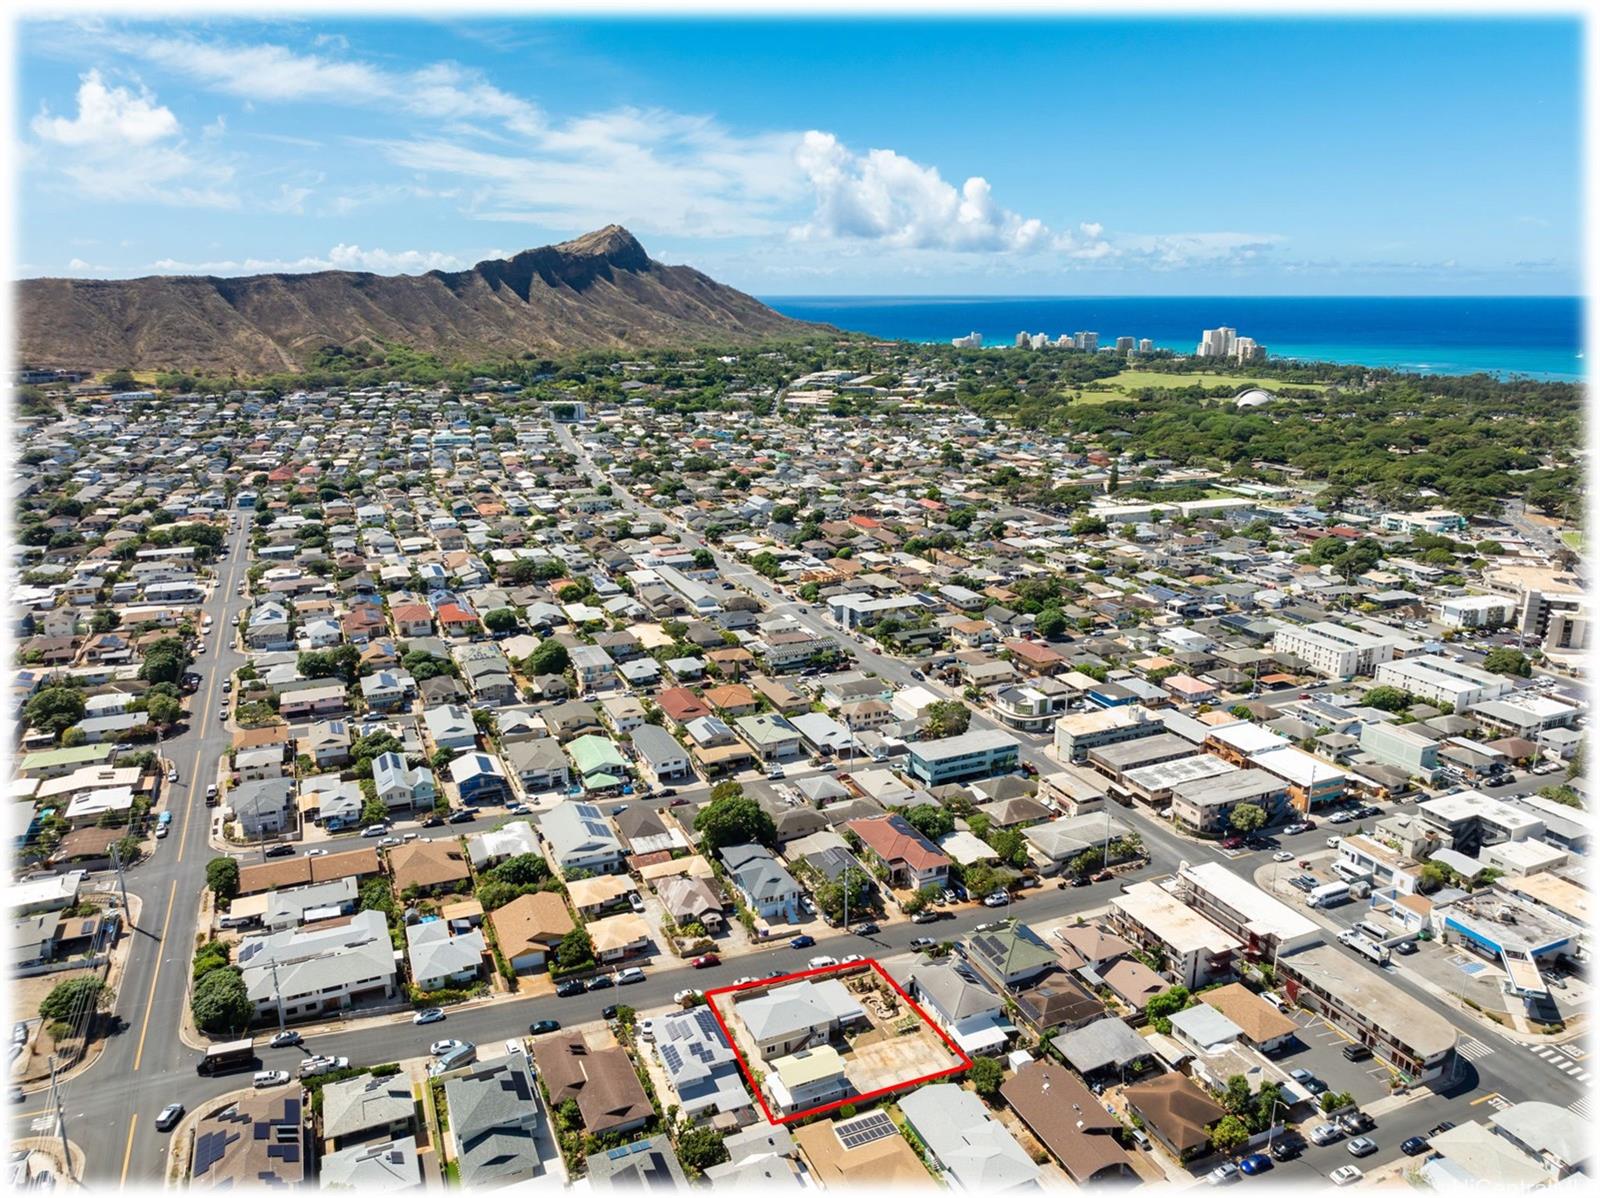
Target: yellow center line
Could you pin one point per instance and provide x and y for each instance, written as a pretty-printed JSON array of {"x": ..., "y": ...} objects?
[
  {"x": 150, "y": 999},
  {"x": 1485, "y": 1098},
  {"x": 127, "y": 1153}
]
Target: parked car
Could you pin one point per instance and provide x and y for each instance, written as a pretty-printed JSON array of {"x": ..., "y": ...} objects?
[
  {"x": 1333, "y": 842},
  {"x": 925, "y": 916},
  {"x": 802, "y": 941},
  {"x": 628, "y": 977},
  {"x": 1357, "y": 1052},
  {"x": 279, "y": 850},
  {"x": 270, "y": 1077},
  {"x": 1326, "y": 1133},
  {"x": 1233, "y": 842},
  {"x": 316, "y": 852},
  {"x": 1256, "y": 1162},
  {"x": 540, "y": 1026},
  {"x": 1345, "y": 1175},
  {"x": 1414, "y": 1146},
  {"x": 922, "y": 943},
  {"x": 1104, "y": 875},
  {"x": 569, "y": 987},
  {"x": 1223, "y": 1174},
  {"x": 516, "y": 1046},
  {"x": 600, "y": 981},
  {"x": 315, "y": 1066},
  {"x": 609, "y": 1012},
  {"x": 1361, "y": 1146},
  {"x": 429, "y": 1015},
  {"x": 866, "y": 928},
  {"x": 1298, "y": 827},
  {"x": 707, "y": 960},
  {"x": 462, "y": 816},
  {"x": 390, "y": 842},
  {"x": 1356, "y": 1122},
  {"x": 284, "y": 1039},
  {"x": 432, "y": 821},
  {"x": 998, "y": 899},
  {"x": 172, "y": 773},
  {"x": 1286, "y": 1148},
  {"x": 1406, "y": 947},
  {"x": 439, "y": 1047},
  {"x": 375, "y": 830},
  {"x": 851, "y": 959},
  {"x": 169, "y": 1116},
  {"x": 683, "y": 997},
  {"x": 1438, "y": 1129},
  {"x": 821, "y": 962},
  {"x": 1283, "y": 855}
]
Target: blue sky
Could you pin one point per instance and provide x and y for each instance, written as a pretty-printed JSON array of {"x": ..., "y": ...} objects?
[{"x": 1010, "y": 157}]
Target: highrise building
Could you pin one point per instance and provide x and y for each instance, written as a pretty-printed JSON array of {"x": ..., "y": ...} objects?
[
  {"x": 1040, "y": 340},
  {"x": 1022, "y": 341},
  {"x": 1245, "y": 349},
  {"x": 1217, "y": 343},
  {"x": 1086, "y": 341},
  {"x": 1146, "y": 345},
  {"x": 970, "y": 341},
  {"x": 1124, "y": 345}
]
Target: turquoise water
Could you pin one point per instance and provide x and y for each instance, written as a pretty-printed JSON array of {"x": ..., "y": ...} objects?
[{"x": 1537, "y": 336}]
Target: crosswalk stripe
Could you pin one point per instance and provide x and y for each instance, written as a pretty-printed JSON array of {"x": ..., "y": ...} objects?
[
  {"x": 1473, "y": 1049},
  {"x": 1567, "y": 1067},
  {"x": 1581, "y": 1107}
]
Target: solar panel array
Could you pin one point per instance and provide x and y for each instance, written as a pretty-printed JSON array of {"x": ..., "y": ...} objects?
[{"x": 865, "y": 1129}]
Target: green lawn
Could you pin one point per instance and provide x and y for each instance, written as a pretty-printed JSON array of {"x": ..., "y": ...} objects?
[
  {"x": 1122, "y": 385},
  {"x": 1573, "y": 540}
]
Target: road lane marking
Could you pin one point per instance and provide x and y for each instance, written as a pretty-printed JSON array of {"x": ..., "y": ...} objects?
[
  {"x": 127, "y": 1153},
  {"x": 1581, "y": 1107},
  {"x": 155, "y": 976},
  {"x": 200, "y": 726}
]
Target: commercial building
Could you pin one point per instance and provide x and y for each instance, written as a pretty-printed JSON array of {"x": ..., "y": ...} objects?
[
  {"x": 1195, "y": 950},
  {"x": 1333, "y": 650},
  {"x": 1204, "y": 806},
  {"x": 1399, "y": 746},
  {"x": 1400, "y": 1030},
  {"x": 1312, "y": 783},
  {"x": 1476, "y": 611},
  {"x": 1265, "y": 927},
  {"x": 980, "y": 753},
  {"x": 1077, "y": 734},
  {"x": 1443, "y": 681},
  {"x": 1471, "y": 820}
]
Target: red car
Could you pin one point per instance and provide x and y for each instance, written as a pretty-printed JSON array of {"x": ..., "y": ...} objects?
[
  {"x": 1233, "y": 842},
  {"x": 706, "y": 961},
  {"x": 1103, "y": 876}
]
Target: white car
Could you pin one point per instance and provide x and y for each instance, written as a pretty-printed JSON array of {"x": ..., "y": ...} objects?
[
  {"x": 1345, "y": 1175},
  {"x": 1333, "y": 842},
  {"x": 439, "y": 1047},
  {"x": 316, "y": 852},
  {"x": 743, "y": 980},
  {"x": 516, "y": 1046},
  {"x": 1283, "y": 855},
  {"x": 851, "y": 959},
  {"x": 428, "y": 1015},
  {"x": 627, "y": 977},
  {"x": 996, "y": 900},
  {"x": 683, "y": 996},
  {"x": 269, "y": 1077},
  {"x": 172, "y": 773},
  {"x": 821, "y": 962}
]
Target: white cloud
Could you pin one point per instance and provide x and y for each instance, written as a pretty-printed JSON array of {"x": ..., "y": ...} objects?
[
  {"x": 113, "y": 117},
  {"x": 123, "y": 145},
  {"x": 267, "y": 72},
  {"x": 885, "y": 197},
  {"x": 340, "y": 257}
]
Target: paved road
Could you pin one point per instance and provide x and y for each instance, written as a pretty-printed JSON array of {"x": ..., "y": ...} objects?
[{"x": 111, "y": 1108}]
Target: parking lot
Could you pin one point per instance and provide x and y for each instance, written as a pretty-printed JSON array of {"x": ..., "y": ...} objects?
[{"x": 1321, "y": 1053}]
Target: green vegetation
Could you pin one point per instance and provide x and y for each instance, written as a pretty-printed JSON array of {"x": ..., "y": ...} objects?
[{"x": 732, "y": 818}]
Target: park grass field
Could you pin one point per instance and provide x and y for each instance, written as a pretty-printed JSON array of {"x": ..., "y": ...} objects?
[{"x": 1124, "y": 384}]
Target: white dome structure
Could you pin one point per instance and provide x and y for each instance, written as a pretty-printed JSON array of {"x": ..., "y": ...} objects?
[{"x": 1253, "y": 398}]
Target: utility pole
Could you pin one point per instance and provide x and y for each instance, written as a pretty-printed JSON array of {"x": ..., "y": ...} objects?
[
  {"x": 61, "y": 1118},
  {"x": 122, "y": 881},
  {"x": 277, "y": 994}
]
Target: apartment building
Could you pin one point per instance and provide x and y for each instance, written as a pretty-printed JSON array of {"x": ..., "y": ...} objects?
[{"x": 1333, "y": 650}]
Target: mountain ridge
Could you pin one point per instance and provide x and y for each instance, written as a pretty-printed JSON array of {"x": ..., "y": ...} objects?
[{"x": 601, "y": 290}]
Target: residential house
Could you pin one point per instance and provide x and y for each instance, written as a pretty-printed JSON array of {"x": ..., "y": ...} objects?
[{"x": 530, "y": 928}]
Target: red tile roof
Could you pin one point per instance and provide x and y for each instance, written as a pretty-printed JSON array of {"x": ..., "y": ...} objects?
[{"x": 894, "y": 840}]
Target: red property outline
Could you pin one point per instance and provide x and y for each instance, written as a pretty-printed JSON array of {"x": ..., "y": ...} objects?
[{"x": 852, "y": 966}]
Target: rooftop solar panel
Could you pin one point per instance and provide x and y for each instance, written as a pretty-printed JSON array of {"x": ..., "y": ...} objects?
[{"x": 866, "y": 1129}]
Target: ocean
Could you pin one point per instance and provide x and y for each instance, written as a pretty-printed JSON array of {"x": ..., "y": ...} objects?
[{"x": 1537, "y": 336}]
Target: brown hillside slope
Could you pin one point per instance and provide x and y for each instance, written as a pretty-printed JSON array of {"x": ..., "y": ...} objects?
[{"x": 599, "y": 291}]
